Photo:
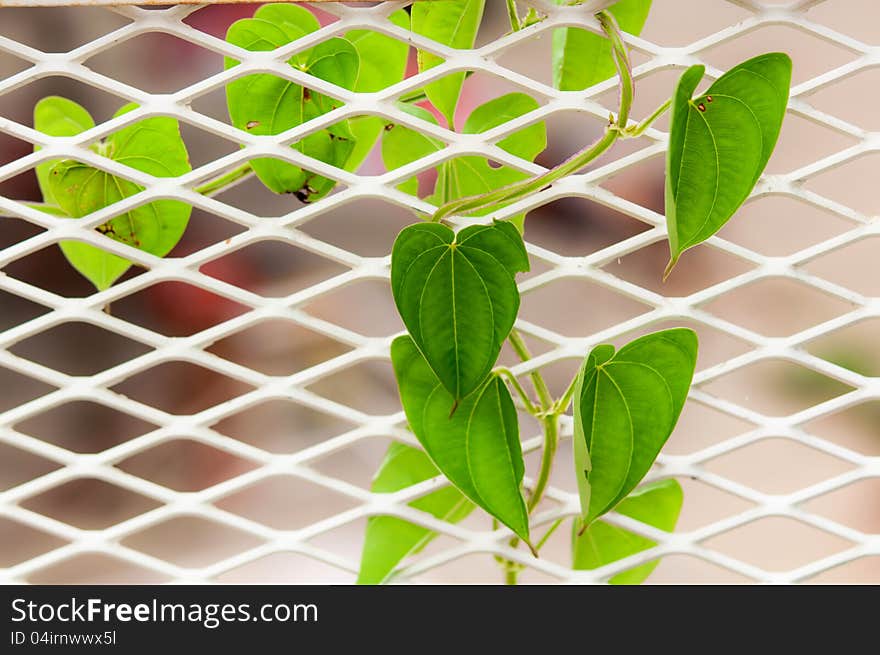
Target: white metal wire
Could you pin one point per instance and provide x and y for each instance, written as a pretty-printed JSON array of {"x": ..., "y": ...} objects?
[{"x": 287, "y": 229}]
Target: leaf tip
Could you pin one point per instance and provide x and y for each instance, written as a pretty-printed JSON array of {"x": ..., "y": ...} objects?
[{"x": 669, "y": 267}]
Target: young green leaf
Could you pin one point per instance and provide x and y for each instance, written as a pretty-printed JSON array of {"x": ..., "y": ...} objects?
[
  {"x": 626, "y": 405},
  {"x": 478, "y": 447},
  {"x": 381, "y": 63},
  {"x": 457, "y": 297},
  {"x": 265, "y": 104},
  {"x": 153, "y": 146},
  {"x": 454, "y": 23},
  {"x": 719, "y": 144},
  {"x": 581, "y": 58},
  {"x": 657, "y": 504},
  {"x": 389, "y": 540}
]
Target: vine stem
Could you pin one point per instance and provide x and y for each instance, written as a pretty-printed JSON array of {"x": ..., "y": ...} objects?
[
  {"x": 513, "y": 15},
  {"x": 222, "y": 181},
  {"x": 615, "y": 130}
]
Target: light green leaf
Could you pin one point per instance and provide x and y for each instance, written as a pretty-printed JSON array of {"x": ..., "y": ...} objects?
[
  {"x": 265, "y": 104},
  {"x": 402, "y": 145},
  {"x": 153, "y": 146},
  {"x": 582, "y": 58},
  {"x": 626, "y": 405},
  {"x": 382, "y": 63},
  {"x": 657, "y": 504},
  {"x": 453, "y": 23},
  {"x": 719, "y": 144},
  {"x": 57, "y": 116},
  {"x": 477, "y": 448},
  {"x": 457, "y": 297},
  {"x": 389, "y": 540}
]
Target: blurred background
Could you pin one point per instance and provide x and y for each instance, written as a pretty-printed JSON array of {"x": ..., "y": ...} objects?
[{"x": 773, "y": 225}]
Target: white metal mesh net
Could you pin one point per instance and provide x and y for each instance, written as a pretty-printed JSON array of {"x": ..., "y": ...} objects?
[{"x": 725, "y": 417}]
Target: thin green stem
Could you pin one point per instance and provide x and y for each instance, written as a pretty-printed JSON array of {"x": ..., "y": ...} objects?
[
  {"x": 551, "y": 442},
  {"x": 513, "y": 15},
  {"x": 531, "y": 408},
  {"x": 522, "y": 351},
  {"x": 548, "y": 534},
  {"x": 222, "y": 181},
  {"x": 561, "y": 405},
  {"x": 635, "y": 131},
  {"x": 514, "y": 192}
]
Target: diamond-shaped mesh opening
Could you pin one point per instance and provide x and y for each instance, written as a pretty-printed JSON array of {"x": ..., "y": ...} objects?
[
  {"x": 190, "y": 541},
  {"x": 856, "y": 505},
  {"x": 850, "y": 184},
  {"x": 84, "y": 426},
  {"x": 282, "y": 426},
  {"x": 377, "y": 318},
  {"x": 176, "y": 309},
  {"x": 851, "y": 347},
  {"x": 22, "y": 542},
  {"x": 367, "y": 387},
  {"x": 176, "y": 354},
  {"x": 50, "y": 29},
  {"x": 94, "y": 568},
  {"x": 272, "y": 268},
  {"x": 854, "y": 428},
  {"x": 277, "y": 347},
  {"x": 181, "y": 387},
  {"x": 852, "y": 266},
  {"x": 777, "y": 543},
  {"x": 21, "y": 466},
  {"x": 776, "y": 388},
  {"x": 97, "y": 349},
  {"x": 308, "y": 502},
  {"x": 124, "y": 62},
  {"x": 777, "y": 466},
  {"x": 89, "y": 503},
  {"x": 778, "y": 225},
  {"x": 777, "y": 307},
  {"x": 185, "y": 465},
  {"x": 577, "y": 307},
  {"x": 286, "y": 568}
]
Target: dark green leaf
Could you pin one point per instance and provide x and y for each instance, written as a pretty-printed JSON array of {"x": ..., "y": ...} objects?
[
  {"x": 657, "y": 504},
  {"x": 389, "y": 540},
  {"x": 719, "y": 145},
  {"x": 453, "y": 23},
  {"x": 478, "y": 447},
  {"x": 626, "y": 405},
  {"x": 153, "y": 146},
  {"x": 581, "y": 58},
  {"x": 265, "y": 104},
  {"x": 457, "y": 297}
]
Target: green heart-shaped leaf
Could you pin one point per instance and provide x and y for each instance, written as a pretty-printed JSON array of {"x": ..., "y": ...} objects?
[
  {"x": 719, "y": 144},
  {"x": 626, "y": 405},
  {"x": 453, "y": 23},
  {"x": 154, "y": 146},
  {"x": 581, "y": 58},
  {"x": 265, "y": 104},
  {"x": 457, "y": 297},
  {"x": 478, "y": 447},
  {"x": 388, "y": 539},
  {"x": 657, "y": 504}
]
